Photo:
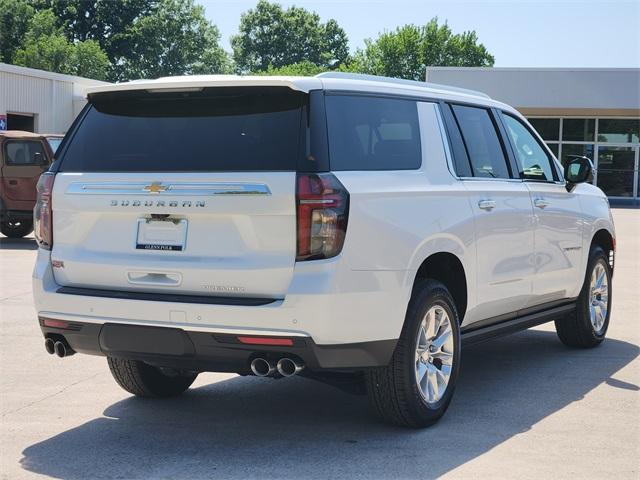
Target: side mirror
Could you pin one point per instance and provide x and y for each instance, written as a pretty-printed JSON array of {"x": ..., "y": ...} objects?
[
  {"x": 578, "y": 170},
  {"x": 38, "y": 159}
]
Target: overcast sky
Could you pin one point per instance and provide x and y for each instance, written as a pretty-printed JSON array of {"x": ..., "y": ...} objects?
[{"x": 519, "y": 33}]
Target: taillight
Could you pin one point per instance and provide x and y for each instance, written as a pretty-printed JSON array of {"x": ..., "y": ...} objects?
[
  {"x": 42, "y": 214},
  {"x": 323, "y": 210}
]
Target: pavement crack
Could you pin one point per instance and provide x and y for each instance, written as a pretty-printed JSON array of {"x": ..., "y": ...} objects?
[
  {"x": 50, "y": 396},
  {"x": 14, "y": 296}
]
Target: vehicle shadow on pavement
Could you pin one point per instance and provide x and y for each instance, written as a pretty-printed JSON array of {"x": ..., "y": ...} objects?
[
  {"x": 28, "y": 243},
  {"x": 293, "y": 428}
]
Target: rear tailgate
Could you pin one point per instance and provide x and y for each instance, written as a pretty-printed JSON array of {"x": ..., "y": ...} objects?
[
  {"x": 225, "y": 234},
  {"x": 181, "y": 192}
]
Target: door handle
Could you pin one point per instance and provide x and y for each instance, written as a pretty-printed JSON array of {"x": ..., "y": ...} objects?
[
  {"x": 541, "y": 203},
  {"x": 487, "y": 204},
  {"x": 13, "y": 182}
]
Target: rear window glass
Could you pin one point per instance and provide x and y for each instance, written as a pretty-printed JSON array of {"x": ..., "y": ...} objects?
[
  {"x": 226, "y": 129},
  {"x": 21, "y": 152},
  {"x": 370, "y": 133}
]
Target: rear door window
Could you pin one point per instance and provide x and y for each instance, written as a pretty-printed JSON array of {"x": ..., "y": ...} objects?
[
  {"x": 24, "y": 152},
  {"x": 373, "y": 133},
  {"x": 225, "y": 129},
  {"x": 484, "y": 149}
]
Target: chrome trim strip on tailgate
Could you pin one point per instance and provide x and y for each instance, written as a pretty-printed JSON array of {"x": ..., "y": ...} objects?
[{"x": 172, "y": 189}]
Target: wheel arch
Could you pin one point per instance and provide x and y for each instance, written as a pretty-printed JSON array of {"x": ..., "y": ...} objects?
[
  {"x": 448, "y": 269},
  {"x": 605, "y": 240}
]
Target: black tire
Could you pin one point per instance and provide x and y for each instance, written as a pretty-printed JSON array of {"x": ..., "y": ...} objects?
[
  {"x": 393, "y": 390},
  {"x": 16, "y": 228},
  {"x": 144, "y": 380},
  {"x": 576, "y": 329}
]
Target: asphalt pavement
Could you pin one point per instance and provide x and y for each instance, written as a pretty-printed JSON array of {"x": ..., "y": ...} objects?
[{"x": 525, "y": 407}]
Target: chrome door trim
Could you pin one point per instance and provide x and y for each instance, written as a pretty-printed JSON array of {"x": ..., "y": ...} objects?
[{"x": 172, "y": 189}]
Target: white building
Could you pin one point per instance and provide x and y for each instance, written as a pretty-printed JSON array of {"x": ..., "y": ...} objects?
[
  {"x": 578, "y": 111},
  {"x": 39, "y": 101}
]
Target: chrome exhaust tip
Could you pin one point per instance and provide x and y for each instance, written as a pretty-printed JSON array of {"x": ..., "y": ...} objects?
[
  {"x": 62, "y": 350},
  {"x": 288, "y": 367},
  {"x": 49, "y": 346},
  {"x": 262, "y": 367}
]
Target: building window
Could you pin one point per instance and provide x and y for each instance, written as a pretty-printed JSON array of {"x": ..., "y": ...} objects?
[
  {"x": 616, "y": 167},
  {"x": 578, "y": 129},
  {"x": 548, "y": 128},
  {"x": 612, "y": 143},
  {"x": 618, "y": 131}
]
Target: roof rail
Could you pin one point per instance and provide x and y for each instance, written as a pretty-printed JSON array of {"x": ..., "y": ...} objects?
[{"x": 400, "y": 81}]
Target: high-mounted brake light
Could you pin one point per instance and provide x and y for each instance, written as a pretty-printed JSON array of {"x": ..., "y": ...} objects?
[
  {"x": 42, "y": 213},
  {"x": 323, "y": 211}
]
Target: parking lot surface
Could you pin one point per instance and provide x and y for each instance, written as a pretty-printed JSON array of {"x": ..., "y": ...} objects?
[{"x": 525, "y": 407}]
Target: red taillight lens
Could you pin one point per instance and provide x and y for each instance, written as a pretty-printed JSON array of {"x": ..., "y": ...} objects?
[
  {"x": 42, "y": 214},
  {"x": 323, "y": 211}
]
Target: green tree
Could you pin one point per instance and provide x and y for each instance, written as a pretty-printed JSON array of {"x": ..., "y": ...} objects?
[
  {"x": 15, "y": 16},
  {"x": 408, "y": 50},
  {"x": 45, "y": 47},
  {"x": 302, "y": 69},
  {"x": 144, "y": 38},
  {"x": 271, "y": 36},
  {"x": 175, "y": 38}
]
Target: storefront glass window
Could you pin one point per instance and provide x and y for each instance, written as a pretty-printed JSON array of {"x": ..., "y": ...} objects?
[
  {"x": 548, "y": 128},
  {"x": 615, "y": 170},
  {"x": 578, "y": 129},
  {"x": 618, "y": 131}
]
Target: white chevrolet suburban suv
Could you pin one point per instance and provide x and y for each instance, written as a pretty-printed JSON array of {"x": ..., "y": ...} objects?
[{"x": 339, "y": 227}]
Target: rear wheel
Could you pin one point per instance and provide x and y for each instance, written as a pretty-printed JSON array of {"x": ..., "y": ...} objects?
[
  {"x": 587, "y": 325},
  {"x": 415, "y": 389},
  {"x": 16, "y": 228},
  {"x": 145, "y": 380}
]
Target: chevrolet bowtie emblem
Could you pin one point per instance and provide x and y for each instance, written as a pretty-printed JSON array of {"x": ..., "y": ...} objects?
[{"x": 155, "y": 187}]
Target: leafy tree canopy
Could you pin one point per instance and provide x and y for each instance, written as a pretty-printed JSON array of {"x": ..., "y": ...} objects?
[
  {"x": 141, "y": 38},
  {"x": 271, "y": 36},
  {"x": 408, "y": 50},
  {"x": 45, "y": 47},
  {"x": 175, "y": 38},
  {"x": 15, "y": 16}
]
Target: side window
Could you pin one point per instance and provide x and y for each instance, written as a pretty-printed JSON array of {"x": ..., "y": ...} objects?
[
  {"x": 20, "y": 152},
  {"x": 533, "y": 160},
  {"x": 460, "y": 158},
  {"x": 371, "y": 133},
  {"x": 483, "y": 146}
]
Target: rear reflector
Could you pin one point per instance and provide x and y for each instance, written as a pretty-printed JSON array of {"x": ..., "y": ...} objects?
[
  {"x": 266, "y": 341},
  {"x": 50, "y": 322}
]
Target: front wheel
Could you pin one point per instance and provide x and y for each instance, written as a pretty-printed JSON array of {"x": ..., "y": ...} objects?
[
  {"x": 144, "y": 380},
  {"x": 587, "y": 325},
  {"x": 415, "y": 389},
  {"x": 16, "y": 228}
]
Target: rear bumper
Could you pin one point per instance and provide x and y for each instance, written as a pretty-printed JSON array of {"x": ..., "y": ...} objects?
[
  {"x": 343, "y": 318},
  {"x": 204, "y": 351}
]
